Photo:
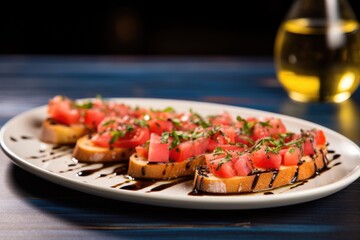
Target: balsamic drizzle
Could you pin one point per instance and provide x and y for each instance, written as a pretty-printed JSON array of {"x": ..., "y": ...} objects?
[
  {"x": 296, "y": 174},
  {"x": 13, "y": 139},
  {"x": 59, "y": 151},
  {"x": 255, "y": 181},
  {"x": 170, "y": 184},
  {"x": 273, "y": 178}
]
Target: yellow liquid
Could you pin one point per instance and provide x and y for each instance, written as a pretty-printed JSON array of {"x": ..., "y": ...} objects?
[{"x": 318, "y": 63}]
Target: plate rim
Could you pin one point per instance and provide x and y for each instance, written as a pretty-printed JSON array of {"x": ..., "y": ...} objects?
[{"x": 212, "y": 202}]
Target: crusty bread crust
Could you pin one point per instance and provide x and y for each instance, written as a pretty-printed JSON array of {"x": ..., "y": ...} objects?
[
  {"x": 86, "y": 151},
  {"x": 56, "y": 133},
  {"x": 206, "y": 182},
  {"x": 141, "y": 168}
]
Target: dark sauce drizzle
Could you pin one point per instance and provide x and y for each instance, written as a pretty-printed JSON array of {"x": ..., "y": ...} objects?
[
  {"x": 26, "y": 137},
  {"x": 275, "y": 173},
  {"x": 21, "y": 137},
  {"x": 295, "y": 177},
  {"x": 13, "y": 139},
  {"x": 59, "y": 151},
  {"x": 268, "y": 193},
  {"x": 84, "y": 173},
  {"x": 255, "y": 181},
  {"x": 139, "y": 184},
  {"x": 170, "y": 184},
  {"x": 121, "y": 170}
]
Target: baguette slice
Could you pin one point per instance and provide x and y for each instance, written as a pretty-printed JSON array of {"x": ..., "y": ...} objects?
[
  {"x": 206, "y": 182},
  {"x": 140, "y": 168},
  {"x": 57, "y": 133},
  {"x": 86, "y": 151}
]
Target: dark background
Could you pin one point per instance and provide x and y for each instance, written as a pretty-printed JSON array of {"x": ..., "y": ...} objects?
[{"x": 245, "y": 28}]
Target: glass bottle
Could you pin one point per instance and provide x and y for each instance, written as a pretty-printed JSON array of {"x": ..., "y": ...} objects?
[{"x": 317, "y": 51}]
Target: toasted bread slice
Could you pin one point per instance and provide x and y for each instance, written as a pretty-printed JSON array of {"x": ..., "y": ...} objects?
[
  {"x": 86, "y": 151},
  {"x": 140, "y": 168},
  {"x": 206, "y": 182},
  {"x": 57, "y": 133}
]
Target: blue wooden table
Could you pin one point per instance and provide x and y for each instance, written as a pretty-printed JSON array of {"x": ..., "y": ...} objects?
[{"x": 32, "y": 208}]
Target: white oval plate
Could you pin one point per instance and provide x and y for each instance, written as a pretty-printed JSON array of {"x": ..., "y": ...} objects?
[{"x": 19, "y": 139}]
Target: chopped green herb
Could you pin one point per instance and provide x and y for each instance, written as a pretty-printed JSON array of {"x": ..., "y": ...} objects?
[
  {"x": 213, "y": 131},
  {"x": 109, "y": 122},
  {"x": 176, "y": 121},
  {"x": 226, "y": 159},
  {"x": 169, "y": 109},
  {"x": 265, "y": 124},
  {"x": 247, "y": 126},
  {"x": 116, "y": 134},
  {"x": 176, "y": 140},
  {"x": 198, "y": 119},
  {"x": 86, "y": 105},
  {"x": 218, "y": 150},
  {"x": 165, "y": 137},
  {"x": 140, "y": 122},
  {"x": 273, "y": 149}
]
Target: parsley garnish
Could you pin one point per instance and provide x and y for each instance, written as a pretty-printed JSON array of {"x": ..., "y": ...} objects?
[
  {"x": 116, "y": 134},
  {"x": 165, "y": 137},
  {"x": 109, "y": 122},
  {"x": 140, "y": 122},
  {"x": 247, "y": 126},
  {"x": 86, "y": 105},
  {"x": 226, "y": 159},
  {"x": 198, "y": 119},
  {"x": 265, "y": 124}
]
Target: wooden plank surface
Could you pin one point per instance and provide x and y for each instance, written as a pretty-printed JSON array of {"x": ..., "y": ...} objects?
[{"x": 32, "y": 208}]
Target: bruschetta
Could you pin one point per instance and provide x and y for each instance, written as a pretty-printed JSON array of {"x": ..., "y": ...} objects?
[
  {"x": 55, "y": 132},
  {"x": 225, "y": 155},
  {"x": 177, "y": 153},
  {"x": 86, "y": 151},
  {"x": 270, "y": 163},
  {"x": 68, "y": 120}
]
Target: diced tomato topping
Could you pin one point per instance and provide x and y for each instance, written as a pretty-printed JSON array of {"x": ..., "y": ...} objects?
[
  {"x": 228, "y": 132},
  {"x": 269, "y": 128},
  {"x": 142, "y": 151},
  {"x": 222, "y": 167},
  {"x": 159, "y": 126},
  {"x": 189, "y": 149},
  {"x": 243, "y": 139},
  {"x": 308, "y": 147},
  {"x": 230, "y": 147},
  {"x": 212, "y": 144},
  {"x": 158, "y": 151},
  {"x": 242, "y": 164},
  {"x": 320, "y": 138},
  {"x": 225, "y": 135},
  {"x": 277, "y": 127},
  {"x": 93, "y": 117},
  {"x": 221, "y": 119},
  {"x": 260, "y": 132},
  {"x": 137, "y": 136},
  {"x": 291, "y": 156},
  {"x": 266, "y": 159},
  {"x": 209, "y": 157},
  {"x": 109, "y": 123},
  {"x": 62, "y": 110}
]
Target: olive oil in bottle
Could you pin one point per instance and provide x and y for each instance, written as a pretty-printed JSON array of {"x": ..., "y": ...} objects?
[{"x": 317, "y": 59}]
